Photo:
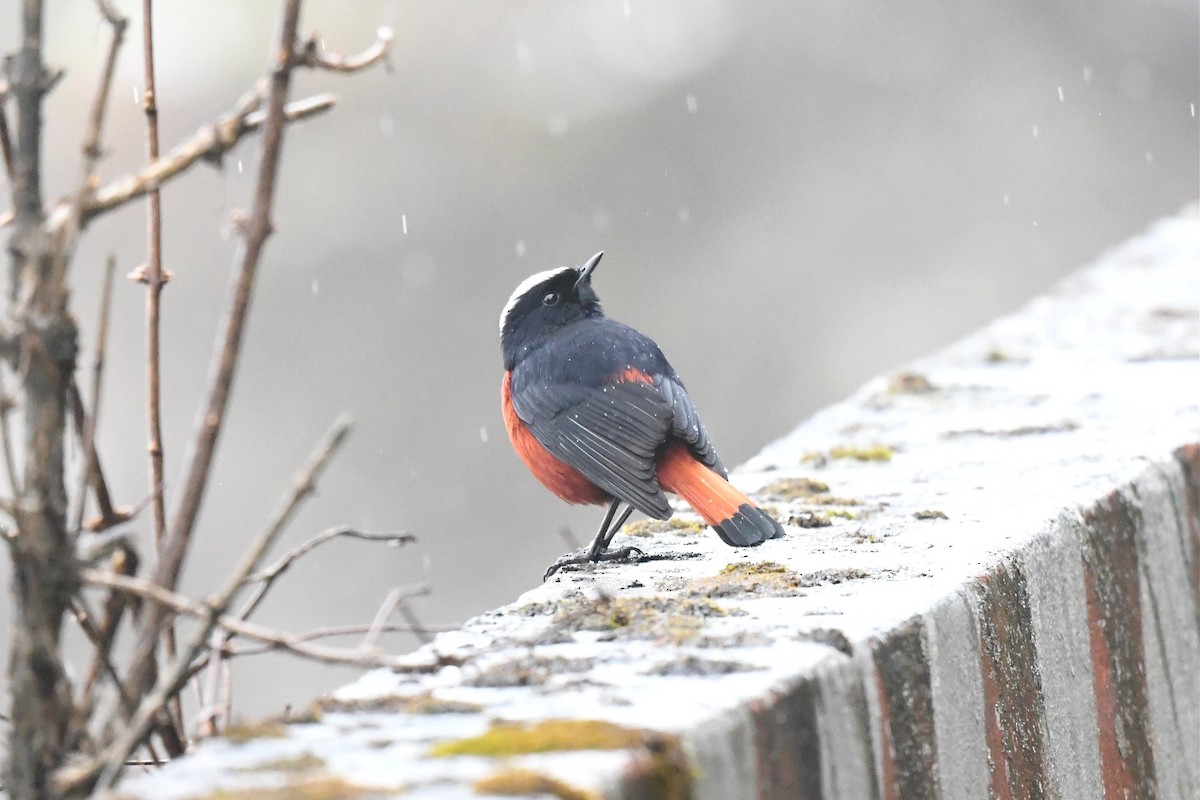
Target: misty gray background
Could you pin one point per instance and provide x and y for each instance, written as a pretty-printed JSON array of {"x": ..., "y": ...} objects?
[{"x": 792, "y": 197}]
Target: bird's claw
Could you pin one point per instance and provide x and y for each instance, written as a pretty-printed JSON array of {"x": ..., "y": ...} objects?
[{"x": 620, "y": 554}]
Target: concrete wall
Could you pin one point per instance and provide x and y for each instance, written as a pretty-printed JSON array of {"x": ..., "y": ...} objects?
[{"x": 989, "y": 589}]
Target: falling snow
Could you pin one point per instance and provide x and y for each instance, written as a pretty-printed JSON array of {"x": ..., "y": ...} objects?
[
  {"x": 1036, "y": 131},
  {"x": 483, "y": 434},
  {"x": 1061, "y": 97},
  {"x": 520, "y": 248},
  {"x": 558, "y": 124},
  {"x": 1087, "y": 74},
  {"x": 404, "y": 223},
  {"x": 316, "y": 288},
  {"x": 625, "y": 8},
  {"x": 691, "y": 103},
  {"x": 1005, "y": 199},
  {"x": 524, "y": 55}
]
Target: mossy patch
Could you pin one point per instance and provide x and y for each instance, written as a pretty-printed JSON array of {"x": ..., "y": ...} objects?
[
  {"x": 242, "y": 733},
  {"x": 910, "y": 383},
  {"x": 834, "y": 575},
  {"x": 1065, "y": 426},
  {"x": 423, "y": 703},
  {"x": 302, "y": 763},
  {"x": 747, "y": 578},
  {"x": 794, "y": 488},
  {"x": 656, "y": 617},
  {"x": 646, "y": 528},
  {"x": 809, "y": 519},
  {"x": 528, "y": 672},
  {"x": 551, "y": 735},
  {"x": 695, "y": 666},
  {"x": 320, "y": 789},
  {"x": 931, "y": 513},
  {"x": 878, "y": 453},
  {"x": 519, "y": 782}
]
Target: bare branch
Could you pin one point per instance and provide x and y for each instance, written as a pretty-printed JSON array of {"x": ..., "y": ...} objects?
[
  {"x": 269, "y": 575},
  {"x": 153, "y": 277},
  {"x": 168, "y": 684},
  {"x": 397, "y": 599},
  {"x": 10, "y": 462},
  {"x": 5, "y": 137},
  {"x": 91, "y": 472},
  {"x": 109, "y": 514},
  {"x": 210, "y": 143},
  {"x": 313, "y": 55},
  {"x": 298, "y": 645}
]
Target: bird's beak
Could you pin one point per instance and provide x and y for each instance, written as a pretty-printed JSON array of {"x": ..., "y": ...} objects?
[{"x": 585, "y": 272}]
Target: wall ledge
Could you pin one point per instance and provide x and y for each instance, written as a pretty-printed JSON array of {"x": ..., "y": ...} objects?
[{"x": 999, "y": 597}]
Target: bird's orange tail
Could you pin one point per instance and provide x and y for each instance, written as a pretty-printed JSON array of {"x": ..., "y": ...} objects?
[{"x": 735, "y": 518}]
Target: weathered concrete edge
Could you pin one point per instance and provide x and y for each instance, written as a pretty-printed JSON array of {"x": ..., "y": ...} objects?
[{"x": 1068, "y": 669}]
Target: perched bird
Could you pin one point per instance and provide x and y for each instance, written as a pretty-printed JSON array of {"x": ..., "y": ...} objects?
[{"x": 599, "y": 416}]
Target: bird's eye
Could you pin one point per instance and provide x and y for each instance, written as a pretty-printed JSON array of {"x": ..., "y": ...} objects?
[{"x": 551, "y": 299}]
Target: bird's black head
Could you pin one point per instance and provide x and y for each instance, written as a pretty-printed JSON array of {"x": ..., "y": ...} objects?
[{"x": 545, "y": 303}]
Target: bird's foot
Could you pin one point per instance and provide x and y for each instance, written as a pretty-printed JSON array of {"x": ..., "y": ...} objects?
[{"x": 584, "y": 557}]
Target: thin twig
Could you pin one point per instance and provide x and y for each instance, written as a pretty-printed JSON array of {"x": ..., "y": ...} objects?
[
  {"x": 87, "y": 474},
  {"x": 210, "y": 143},
  {"x": 110, "y": 515},
  {"x": 298, "y": 645},
  {"x": 5, "y": 137},
  {"x": 199, "y": 462},
  {"x": 124, "y": 561},
  {"x": 313, "y": 55},
  {"x": 398, "y": 599},
  {"x": 10, "y": 462},
  {"x": 154, "y": 277},
  {"x": 269, "y": 575},
  {"x": 168, "y": 684}
]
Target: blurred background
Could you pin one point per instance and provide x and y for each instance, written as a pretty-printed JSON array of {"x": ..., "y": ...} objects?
[{"x": 792, "y": 197}]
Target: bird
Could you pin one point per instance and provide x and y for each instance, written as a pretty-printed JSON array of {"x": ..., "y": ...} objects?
[{"x": 599, "y": 416}]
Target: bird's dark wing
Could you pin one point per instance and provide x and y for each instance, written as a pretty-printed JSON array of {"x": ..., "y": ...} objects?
[
  {"x": 609, "y": 433},
  {"x": 686, "y": 425}
]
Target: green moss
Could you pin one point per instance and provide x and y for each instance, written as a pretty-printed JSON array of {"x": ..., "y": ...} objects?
[
  {"x": 320, "y": 789},
  {"x": 795, "y": 488},
  {"x": 808, "y": 519},
  {"x": 660, "y": 772},
  {"x": 303, "y": 763},
  {"x": 675, "y": 525},
  {"x": 656, "y": 617},
  {"x": 930, "y": 514},
  {"x": 424, "y": 703},
  {"x": 552, "y": 735},
  {"x": 523, "y": 782},
  {"x": 761, "y": 579},
  {"x": 877, "y": 452},
  {"x": 755, "y": 568},
  {"x": 529, "y": 671},
  {"x": 269, "y": 729},
  {"x": 838, "y": 513}
]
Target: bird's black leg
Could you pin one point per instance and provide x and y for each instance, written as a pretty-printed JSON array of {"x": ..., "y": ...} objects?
[
  {"x": 612, "y": 531},
  {"x": 599, "y": 549}
]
